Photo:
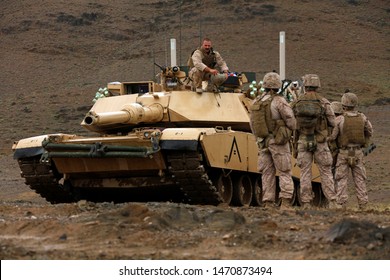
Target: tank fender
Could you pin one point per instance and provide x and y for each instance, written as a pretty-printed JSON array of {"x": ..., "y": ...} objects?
[
  {"x": 33, "y": 146},
  {"x": 28, "y": 147},
  {"x": 186, "y": 139}
]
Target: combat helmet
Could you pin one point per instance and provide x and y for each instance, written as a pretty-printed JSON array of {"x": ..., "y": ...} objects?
[
  {"x": 272, "y": 80},
  {"x": 311, "y": 80},
  {"x": 349, "y": 99},
  {"x": 337, "y": 107}
]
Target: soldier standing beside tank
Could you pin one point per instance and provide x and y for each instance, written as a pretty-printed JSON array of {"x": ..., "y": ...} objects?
[
  {"x": 352, "y": 133},
  {"x": 314, "y": 116},
  {"x": 334, "y": 149},
  {"x": 206, "y": 64},
  {"x": 272, "y": 121}
]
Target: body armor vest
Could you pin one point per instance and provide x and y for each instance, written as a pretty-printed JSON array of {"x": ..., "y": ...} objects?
[
  {"x": 261, "y": 118},
  {"x": 209, "y": 59},
  {"x": 353, "y": 131}
]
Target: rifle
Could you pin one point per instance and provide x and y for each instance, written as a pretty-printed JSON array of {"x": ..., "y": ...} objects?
[
  {"x": 295, "y": 137},
  {"x": 159, "y": 66},
  {"x": 369, "y": 149}
]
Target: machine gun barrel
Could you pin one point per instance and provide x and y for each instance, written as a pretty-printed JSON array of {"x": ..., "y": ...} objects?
[
  {"x": 369, "y": 149},
  {"x": 133, "y": 113}
]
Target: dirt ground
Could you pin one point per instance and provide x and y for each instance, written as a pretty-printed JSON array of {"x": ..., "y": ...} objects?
[
  {"x": 55, "y": 56},
  {"x": 33, "y": 229}
]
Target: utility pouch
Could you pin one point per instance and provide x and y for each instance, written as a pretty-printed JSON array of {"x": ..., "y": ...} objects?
[
  {"x": 282, "y": 133},
  {"x": 351, "y": 158},
  {"x": 310, "y": 143},
  {"x": 262, "y": 144}
]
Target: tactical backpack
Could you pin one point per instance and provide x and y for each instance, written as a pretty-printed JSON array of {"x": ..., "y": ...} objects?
[
  {"x": 260, "y": 117},
  {"x": 308, "y": 110}
]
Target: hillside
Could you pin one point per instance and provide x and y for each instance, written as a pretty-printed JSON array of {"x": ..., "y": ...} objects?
[{"x": 56, "y": 54}]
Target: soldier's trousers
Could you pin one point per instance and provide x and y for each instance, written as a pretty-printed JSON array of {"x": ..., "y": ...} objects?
[
  {"x": 358, "y": 174},
  {"x": 276, "y": 157},
  {"x": 323, "y": 158}
]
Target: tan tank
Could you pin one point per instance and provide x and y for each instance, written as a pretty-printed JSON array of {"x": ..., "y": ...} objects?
[{"x": 154, "y": 141}]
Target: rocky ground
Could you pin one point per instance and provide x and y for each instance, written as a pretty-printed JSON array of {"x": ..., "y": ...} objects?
[{"x": 34, "y": 229}]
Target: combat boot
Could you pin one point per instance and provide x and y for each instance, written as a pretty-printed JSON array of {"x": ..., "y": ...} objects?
[
  {"x": 268, "y": 205},
  {"x": 199, "y": 90},
  {"x": 334, "y": 205},
  {"x": 286, "y": 204},
  {"x": 363, "y": 207},
  {"x": 306, "y": 205}
]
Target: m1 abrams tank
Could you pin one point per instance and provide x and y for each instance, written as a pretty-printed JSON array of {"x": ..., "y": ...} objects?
[{"x": 154, "y": 142}]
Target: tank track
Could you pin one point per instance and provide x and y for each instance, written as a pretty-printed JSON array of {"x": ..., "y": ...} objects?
[
  {"x": 41, "y": 177},
  {"x": 185, "y": 167},
  {"x": 189, "y": 173}
]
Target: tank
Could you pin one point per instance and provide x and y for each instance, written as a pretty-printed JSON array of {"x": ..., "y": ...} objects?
[{"x": 154, "y": 141}]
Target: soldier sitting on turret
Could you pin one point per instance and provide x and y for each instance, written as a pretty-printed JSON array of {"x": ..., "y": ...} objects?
[{"x": 203, "y": 63}]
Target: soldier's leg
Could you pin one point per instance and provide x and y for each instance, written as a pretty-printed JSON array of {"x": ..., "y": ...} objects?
[
  {"x": 324, "y": 160},
  {"x": 196, "y": 77},
  {"x": 282, "y": 160},
  {"x": 359, "y": 177},
  {"x": 268, "y": 180},
  {"x": 304, "y": 161},
  {"x": 341, "y": 176}
]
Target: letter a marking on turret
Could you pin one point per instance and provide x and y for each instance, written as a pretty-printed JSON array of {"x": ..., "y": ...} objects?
[{"x": 234, "y": 149}]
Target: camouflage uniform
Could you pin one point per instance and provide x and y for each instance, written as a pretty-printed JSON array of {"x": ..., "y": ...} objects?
[
  {"x": 277, "y": 157},
  {"x": 201, "y": 60},
  {"x": 321, "y": 155},
  {"x": 344, "y": 162}
]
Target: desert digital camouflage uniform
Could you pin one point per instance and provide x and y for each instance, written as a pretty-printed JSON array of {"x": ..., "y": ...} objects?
[
  {"x": 334, "y": 149},
  {"x": 202, "y": 60},
  {"x": 274, "y": 152},
  {"x": 277, "y": 157},
  {"x": 321, "y": 155},
  {"x": 351, "y": 155}
]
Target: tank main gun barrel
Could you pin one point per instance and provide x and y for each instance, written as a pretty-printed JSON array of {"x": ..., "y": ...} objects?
[{"x": 133, "y": 113}]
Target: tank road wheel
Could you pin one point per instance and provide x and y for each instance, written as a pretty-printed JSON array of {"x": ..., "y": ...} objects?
[
  {"x": 224, "y": 187},
  {"x": 257, "y": 191},
  {"x": 242, "y": 190}
]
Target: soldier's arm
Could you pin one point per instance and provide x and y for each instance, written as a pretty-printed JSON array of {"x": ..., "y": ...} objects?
[
  {"x": 368, "y": 130},
  {"x": 197, "y": 60},
  {"x": 335, "y": 131},
  {"x": 221, "y": 63},
  {"x": 287, "y": 113},
  {"x": 330, "y": 116}
]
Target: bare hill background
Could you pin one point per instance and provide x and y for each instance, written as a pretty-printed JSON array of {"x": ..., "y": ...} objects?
[{"x": 56, "y": 54}]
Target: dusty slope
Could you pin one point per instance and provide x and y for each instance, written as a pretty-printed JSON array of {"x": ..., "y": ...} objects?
[{"x": 55, "y": 55}]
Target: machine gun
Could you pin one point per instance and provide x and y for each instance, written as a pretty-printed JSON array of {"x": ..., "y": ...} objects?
[
  {"x": 369, "y": 149},
  {"x": 171, "y": 77}
]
